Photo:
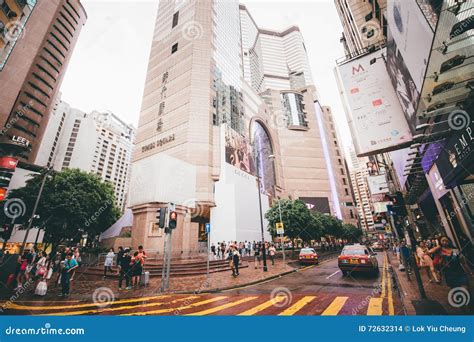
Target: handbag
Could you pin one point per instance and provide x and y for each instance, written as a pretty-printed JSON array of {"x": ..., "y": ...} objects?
[
  {"x": 41, "y": 271},
  {"x": 41, "y": 288},
  {"x": 50, "y": 273}
]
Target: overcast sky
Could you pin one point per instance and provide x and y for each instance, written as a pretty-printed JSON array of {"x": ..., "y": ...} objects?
[{"x": 108, "y": 67}]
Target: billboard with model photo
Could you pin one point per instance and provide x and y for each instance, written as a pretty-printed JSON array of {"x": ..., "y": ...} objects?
[{"x": 238, "y": 151}]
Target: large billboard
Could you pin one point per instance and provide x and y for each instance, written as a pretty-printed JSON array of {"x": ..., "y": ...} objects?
[
  {"x": 238, "y": 151},
  {"x": 375, "y": 116},
  {"x": 377, "y": 184},
  {"x": 412, "y": 35}
]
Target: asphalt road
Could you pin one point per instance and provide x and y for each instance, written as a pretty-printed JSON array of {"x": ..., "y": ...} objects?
[{"x": 315, "y": 290}]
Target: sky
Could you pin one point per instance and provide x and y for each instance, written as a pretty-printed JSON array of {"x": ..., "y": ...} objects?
[{"x": 108, "y": 67}]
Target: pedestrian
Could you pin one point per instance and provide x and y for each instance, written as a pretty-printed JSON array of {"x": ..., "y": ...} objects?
[
  {"x": 236, "y": 261},
  {"x": 142, "y": 255},
  {"x": 213, "y": 250},
  {"x": 119, "y": 258},
  {"x": 222, "y": 249},
  {"x": 109, "y": 261},
  {"x": 453, "y": 265},
  {"x": 68, "y": 265},
  {"x": 426, "y": 262},
  {"x": 136, "y": 269},
  {"x": 405, "y": 256},
  {"x": 125, "y": 266},
  {"x": 271, "y": 252},
  {"x": 257, "y": 255}
]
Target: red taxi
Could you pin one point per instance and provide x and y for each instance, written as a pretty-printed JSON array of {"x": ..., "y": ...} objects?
[
  {"x": 308, "y": 256},
  {"x": 357, "y": 258}
]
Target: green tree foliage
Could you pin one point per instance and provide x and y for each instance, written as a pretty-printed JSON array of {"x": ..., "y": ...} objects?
[
  {"x": 73, "y": 202},
  {"x": 300, "y": 222}
]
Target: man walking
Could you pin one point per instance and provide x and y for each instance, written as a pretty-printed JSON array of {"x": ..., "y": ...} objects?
[
  {"x": 236, "y": 260},
  {"x": 125, "y": 267},
  {"x": 69, "y": 266}
]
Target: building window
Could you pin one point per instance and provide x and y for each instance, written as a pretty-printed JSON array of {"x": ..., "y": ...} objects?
[
  {"x": 346, "y": 191},
  {"x": 174, "y": 48},
  {"x": 175, "y": 19}
]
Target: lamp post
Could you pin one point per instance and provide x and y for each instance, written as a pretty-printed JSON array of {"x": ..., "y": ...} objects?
[{"x": 265, "y": 268}]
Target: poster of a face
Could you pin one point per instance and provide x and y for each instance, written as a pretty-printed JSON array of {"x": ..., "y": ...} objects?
[{"x": 238, "y": 152}]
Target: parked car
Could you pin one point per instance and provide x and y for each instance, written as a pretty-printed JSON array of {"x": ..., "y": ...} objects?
[
  {"x": 357, "y": 258},
  {"x": 308, "y": 256}
]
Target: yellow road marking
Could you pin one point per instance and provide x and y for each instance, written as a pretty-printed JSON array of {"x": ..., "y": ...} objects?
[
  {"x": 336, "y": 306},
  {"x": 391, "y": 311},
  {"x": 101, "y": 310},
  {"x": 297, "y": 306},
  {"x": 221, "y": 307},
  {"x": 179, "y": 308},
  {"x": 383, "y": 278},
  {"x": 263, "y": 306},
  {"x": 60, "y": 307},
  {"x": 375, "y": 307}
]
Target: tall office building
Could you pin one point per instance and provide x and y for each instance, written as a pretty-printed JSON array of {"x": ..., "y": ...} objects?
[
  {"x": 37, "y": 40},
  {"x": 364, "y": 23},
  {"x": 225, "y": 101},
  {"x": 96, "y": 142},
  {"x": 359, "y": 174}
]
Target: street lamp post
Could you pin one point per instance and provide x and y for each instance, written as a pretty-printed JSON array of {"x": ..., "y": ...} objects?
[
  {"x": 265, "y": 268},
  {"x": 35, "y": 207}
]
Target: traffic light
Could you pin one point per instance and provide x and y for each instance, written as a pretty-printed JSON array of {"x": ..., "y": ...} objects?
[
  {"x": 173, "y": 219},
  {"x": 161, "y": 217},
  {"x": 398, "y": 206},
  {"x": 6, "y": 233}
]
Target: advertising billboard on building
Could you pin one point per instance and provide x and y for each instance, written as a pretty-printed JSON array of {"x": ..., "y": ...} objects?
[
  {"x": 412, "y": 35},
  {"x": 374, "y": 113},
  {"x": 377, "y": 184},
  {"x": 238, "y": 151}
]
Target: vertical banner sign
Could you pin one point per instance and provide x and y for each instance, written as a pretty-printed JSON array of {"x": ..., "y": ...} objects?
[{"x": 375, "y": 116}]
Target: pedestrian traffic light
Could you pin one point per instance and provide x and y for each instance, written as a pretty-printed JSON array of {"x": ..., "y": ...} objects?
[
  {"x": 398, "y": 206},
  {"x": 7, "y": 168},
  {"x": 161, "y": 217},
  {"x": 173, "y": 219},
  {"x": 6, "y": 233}
]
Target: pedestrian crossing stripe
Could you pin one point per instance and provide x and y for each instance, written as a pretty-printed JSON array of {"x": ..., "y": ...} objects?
[
  {"x": 178, "y": 309},
  {"x": 85, "y": 305},
  {"x": 221, "y": 307},
  {"x": 375, "y": 307},
  {"x": 297, "y": 306},
  {"x": 263, "y": 306},
  {"x": 336, "y": 306},
  {"x": 118, "y": 308}
]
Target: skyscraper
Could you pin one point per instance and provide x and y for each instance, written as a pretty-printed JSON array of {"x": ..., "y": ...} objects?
[
  {"x": 225, "y": 101},
  {"x": 96, "y": 142},
  {"x": 35, "y": 48},
  {"x": 364, "y": 24}
]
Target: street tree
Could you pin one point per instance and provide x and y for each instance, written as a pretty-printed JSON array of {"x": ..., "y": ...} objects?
[
  {"x": 73, "y": 203},
  {"x": 351, "y": 232}
]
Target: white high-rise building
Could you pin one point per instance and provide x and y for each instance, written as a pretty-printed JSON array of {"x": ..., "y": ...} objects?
[{"x": 96, "y": 142}]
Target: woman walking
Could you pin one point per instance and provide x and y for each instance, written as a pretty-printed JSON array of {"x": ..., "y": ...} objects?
[
  {"x": 136, "y": 270},
  {"x": 109, "y": 261}
]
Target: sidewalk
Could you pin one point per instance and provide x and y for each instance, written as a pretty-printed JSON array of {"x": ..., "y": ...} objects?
[
  {"x": 82, "y": 288},
  {"x": 437, "y": 294}
]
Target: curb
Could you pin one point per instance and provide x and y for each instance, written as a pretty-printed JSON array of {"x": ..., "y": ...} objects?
[
  {"x": 397, "y": 282},
  {"x": 253, "y": 282}
]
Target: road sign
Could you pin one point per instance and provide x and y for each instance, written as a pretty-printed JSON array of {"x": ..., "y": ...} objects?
[
  {"x": 208, "y": 228},
  {"x": 279, "y": 228}
]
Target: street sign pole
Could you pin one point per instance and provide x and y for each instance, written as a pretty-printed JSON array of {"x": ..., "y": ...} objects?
[
  {"x": 281, "y": 235},
  {"x": 208, "y": 232}
]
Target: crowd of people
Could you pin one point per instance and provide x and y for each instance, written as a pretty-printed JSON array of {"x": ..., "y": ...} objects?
[{"x": 438, "y": 257}]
